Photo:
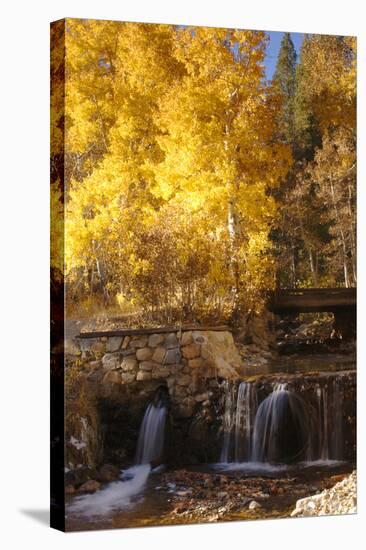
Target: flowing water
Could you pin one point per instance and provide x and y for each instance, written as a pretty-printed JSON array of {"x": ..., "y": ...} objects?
[
  {"x": 151, "y": 438},
  {"x": 285, "y": 428},
  {"x": 238, "y": 422},
  {"x": 119, "y": 495}
]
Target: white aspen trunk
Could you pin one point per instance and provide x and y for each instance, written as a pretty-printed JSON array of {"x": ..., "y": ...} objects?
[
  {"x": 313, "y": 267},
  {"x": 293, "y": 265},
  {"x": 352, "y": 233},
  {"x": 234, "y": 231}
]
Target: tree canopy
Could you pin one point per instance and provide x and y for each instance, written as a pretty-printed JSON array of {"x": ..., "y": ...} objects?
[{"x": 174, "y": 146}]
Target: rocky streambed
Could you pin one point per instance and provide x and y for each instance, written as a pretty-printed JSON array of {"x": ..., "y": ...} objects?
[
  {"x": 204, "y": 397},
  {"x": 186, "y": 496},
  {"x": 340, "y": 499}
]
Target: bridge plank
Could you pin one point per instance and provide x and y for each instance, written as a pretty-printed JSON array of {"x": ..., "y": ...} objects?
[{"x": 307, "y": 300}]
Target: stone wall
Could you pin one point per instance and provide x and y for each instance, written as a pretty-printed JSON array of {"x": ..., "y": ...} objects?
[
  {"x": 122, "y": 373},
  {"x": 118, "y": 376}
]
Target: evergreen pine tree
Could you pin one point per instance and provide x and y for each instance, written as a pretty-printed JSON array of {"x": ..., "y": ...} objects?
[
  {"x": 306, "y": 129},
  {"x": 285, "y": 80}
]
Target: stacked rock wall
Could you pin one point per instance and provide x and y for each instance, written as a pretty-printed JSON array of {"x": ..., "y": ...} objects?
[{"x": 122, "y": 374}]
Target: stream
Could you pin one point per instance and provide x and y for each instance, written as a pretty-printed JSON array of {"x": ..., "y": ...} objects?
[{"x": 270, "y": 457}]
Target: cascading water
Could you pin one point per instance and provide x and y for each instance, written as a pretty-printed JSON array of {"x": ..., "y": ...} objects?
[
  {"x": 328, "y": 445},
  {"x": 280, "y": 431},
  {"x": 244, "y": 420},
  {"x": 119, "y": 494},
  {"x": 338, "y": 400},
  {"x": 151, "y": 437},
  {"x": 287, "y": 426},
  {"x": 238, "y": 422}
]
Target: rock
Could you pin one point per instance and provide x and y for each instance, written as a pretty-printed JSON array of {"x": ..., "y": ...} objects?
[
  {"x": 95, "y": 364},
  {"x": 129, "y": 364},
  {"x": 143, "y": 376},
  {"x": 192, "y": 351},
  {"x": 155, "y": 340},
  {"x": 340, "y": 499},
  {"x": 147, "y": 365},
  {"x": 183, "y": 380},
  {"x": 160, "y": 372},
  {"x": 126, "y": 342},
  {"x": 187, "y": 407},
  {"x": 140, "y": 342},
  {"x": 127, "y": 352},
  {"x": 223, "y": 494},
  {"x": 186, "y": 493},
  {"x": 220, "y": 353},
  {"x": 199, "y": 336},
  {"x": 174, "y": 369},
  {"x": 170, "y": 382},
  {"x": 180, "y": 392},
  {"x": 112, "y": 377},
  {"x": 172, "y": 356},
  {"x": 97, "y": 347},
  {"x": 186, "y": 338},
  {"x": 198, "y": 430},
  {"x": 80, "y": 475},
  {"x": 69, "y": 490},
  {"x": 109, "y": 472},
  {"x": 95, "y": 376},
  {"x": 180, "y": 510},
  {"x": 113, "y": 343},
  {"x": 201, "y": 397},
  {"x": 171, "y": 341},
  {"x": 128, "y": 377},
  {"x": 195, "y": 363},
  {"x": 143, "y": 354},
  {"x": 254, "y": 505},
  {"x": 89, "y": 486},
  {"x": 85, "y": 343},
  {"x": 111, "y": 361},
  {"x": 159, "y": 355}
]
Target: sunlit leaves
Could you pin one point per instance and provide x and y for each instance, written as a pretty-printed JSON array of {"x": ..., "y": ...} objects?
[{"x": 167, "y": 127}]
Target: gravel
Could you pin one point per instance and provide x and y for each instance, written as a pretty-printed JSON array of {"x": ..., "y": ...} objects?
[{"x": 340, "y": 499}]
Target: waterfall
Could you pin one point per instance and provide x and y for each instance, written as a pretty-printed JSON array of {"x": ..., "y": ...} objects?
[
  {"x": 291, "y": 424},
  {"x": 118, "y": 495},
  {"x": 338, "y": 399},
  {"x": 228, "y": 421},
  {"x": 151, "y": 437},
  {"x": 238, "y": 422},
  {"x": 328, "y": 445},
  {"x": 246, "y": 409},
  {"x": 281, "y": 427}
]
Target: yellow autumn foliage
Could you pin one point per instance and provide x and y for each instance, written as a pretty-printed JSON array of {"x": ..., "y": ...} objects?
[{"x": 170, "y": 154}]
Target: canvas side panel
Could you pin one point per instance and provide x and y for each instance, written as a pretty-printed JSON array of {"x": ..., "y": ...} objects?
[{"x": 57, "y": 274}]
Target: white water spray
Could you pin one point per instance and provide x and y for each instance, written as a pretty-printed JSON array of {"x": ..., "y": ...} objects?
[
  {"x": 115, "y": 496},
  {"x": 151, "y": 438}
]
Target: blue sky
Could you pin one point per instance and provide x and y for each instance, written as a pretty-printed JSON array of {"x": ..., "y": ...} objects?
[{"x": 273, "y": 49}]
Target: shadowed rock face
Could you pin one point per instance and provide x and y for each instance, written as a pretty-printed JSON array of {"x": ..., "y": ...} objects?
[{"x": 122, "y": 375}]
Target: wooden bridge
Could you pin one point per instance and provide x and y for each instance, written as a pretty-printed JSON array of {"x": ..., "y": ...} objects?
[
  {"x": 339, "y": 301},
  {"x": 307, "y": 300}
]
